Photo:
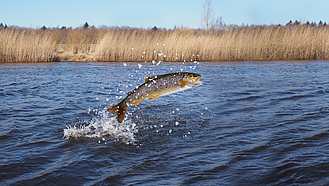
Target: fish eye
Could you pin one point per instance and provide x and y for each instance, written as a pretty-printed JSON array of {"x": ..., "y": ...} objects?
[{"x": 194, "y": 75}]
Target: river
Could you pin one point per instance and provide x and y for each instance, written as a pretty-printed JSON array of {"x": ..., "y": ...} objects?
[{"x": 249, "y": 123}]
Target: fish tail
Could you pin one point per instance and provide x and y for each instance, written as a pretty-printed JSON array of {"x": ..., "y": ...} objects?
[{"x": 117, "y": 109}]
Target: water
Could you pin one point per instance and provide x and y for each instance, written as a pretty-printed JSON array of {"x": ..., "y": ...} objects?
[{"x": 250, "y": 123}]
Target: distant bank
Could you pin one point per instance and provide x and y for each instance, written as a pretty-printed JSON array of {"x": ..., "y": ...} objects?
[{"x": 293, "y": 41}]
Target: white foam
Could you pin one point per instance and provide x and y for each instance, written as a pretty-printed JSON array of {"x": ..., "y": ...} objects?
[{"x": 104, "y": 125}]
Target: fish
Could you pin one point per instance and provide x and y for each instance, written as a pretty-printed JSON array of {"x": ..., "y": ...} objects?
[{"x": 154, "y": 87}]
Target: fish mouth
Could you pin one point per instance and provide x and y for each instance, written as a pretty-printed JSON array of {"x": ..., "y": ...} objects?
[
  {"x": 198, "y": 82},
  {"x": 195, "y": 82}
]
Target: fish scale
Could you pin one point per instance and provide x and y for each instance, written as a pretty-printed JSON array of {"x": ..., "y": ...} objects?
[{"x": 154, "y": 87}]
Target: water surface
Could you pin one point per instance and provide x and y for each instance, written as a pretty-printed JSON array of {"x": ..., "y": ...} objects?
[{"x": 250, "y": 123}]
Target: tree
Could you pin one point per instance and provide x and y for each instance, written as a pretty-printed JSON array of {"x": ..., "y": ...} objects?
[
  {"x": 154, "y": 28},
  {"x": 313, "y": 23},
  {"x": 86, "y": 25},
  {"x": 207, "y": 17}
]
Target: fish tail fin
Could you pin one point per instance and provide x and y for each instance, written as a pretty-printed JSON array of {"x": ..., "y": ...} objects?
[{"x": 117, "y": 109}]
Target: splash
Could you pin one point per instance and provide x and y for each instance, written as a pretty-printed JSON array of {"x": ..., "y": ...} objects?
[{"x": 103, "y": 126}]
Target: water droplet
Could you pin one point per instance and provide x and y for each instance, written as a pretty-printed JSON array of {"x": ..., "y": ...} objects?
[
  {"x": 132, "y": 48},
  {"x": 124, "y": 64},
  {"x": 176, "y": 123}
]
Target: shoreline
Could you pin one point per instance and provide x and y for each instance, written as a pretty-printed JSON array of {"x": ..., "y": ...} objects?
[{"x": 96, "y": 61}]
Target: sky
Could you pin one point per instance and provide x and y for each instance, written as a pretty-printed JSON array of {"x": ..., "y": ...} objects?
[{"x": 163, "y": 14}]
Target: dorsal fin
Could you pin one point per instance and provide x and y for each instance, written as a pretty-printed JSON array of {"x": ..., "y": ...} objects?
[{"x": 150, "y": 78}]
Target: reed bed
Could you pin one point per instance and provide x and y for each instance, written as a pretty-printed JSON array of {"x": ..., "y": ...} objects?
[
  {"x": 252, "y": 43},
  {"x": 259, "y": 43},
  {"x": 25, "y": 45}
]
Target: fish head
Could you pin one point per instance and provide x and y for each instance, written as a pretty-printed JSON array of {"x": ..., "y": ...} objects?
[{"x": 192, "y": 79}]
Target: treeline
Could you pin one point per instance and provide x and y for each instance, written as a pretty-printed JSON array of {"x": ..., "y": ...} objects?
[{"x": 293, "y": 41}]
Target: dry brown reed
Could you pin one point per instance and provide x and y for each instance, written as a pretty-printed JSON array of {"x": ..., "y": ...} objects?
[
  {"x": 256, "y": 43},
  {"x": 25, "y": 45}
]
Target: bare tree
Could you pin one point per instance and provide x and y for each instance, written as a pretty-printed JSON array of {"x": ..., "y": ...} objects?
[{"x": 207, "y": 17}]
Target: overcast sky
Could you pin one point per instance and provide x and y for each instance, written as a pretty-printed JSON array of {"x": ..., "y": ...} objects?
[{"x": 164, "y": 13}]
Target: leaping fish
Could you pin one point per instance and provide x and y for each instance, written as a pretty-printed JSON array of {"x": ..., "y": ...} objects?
[{"x": 154, "y": 87}]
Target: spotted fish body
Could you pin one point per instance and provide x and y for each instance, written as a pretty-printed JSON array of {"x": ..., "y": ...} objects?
[{"x": 154, "y": 87}]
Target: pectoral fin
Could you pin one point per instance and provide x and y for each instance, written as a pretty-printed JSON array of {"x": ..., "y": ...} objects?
[{"x": 181, "y": 83}]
